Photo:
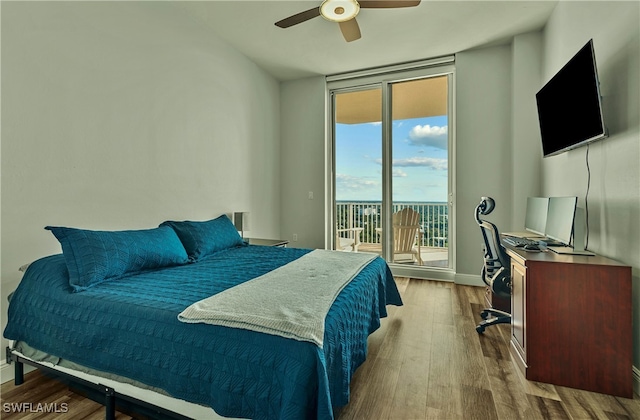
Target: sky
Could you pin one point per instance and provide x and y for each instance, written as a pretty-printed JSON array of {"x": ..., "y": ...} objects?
[{"x": 419, "y": 167}]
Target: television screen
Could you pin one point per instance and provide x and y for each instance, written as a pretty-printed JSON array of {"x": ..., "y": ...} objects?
[{"x": 570, "y": 106}]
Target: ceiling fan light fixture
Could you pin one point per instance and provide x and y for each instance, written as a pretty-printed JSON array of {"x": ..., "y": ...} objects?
[{"x": 339, "y": 10}]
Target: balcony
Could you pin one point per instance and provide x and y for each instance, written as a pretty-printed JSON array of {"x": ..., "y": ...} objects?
[{"x": 364, "y": 218}]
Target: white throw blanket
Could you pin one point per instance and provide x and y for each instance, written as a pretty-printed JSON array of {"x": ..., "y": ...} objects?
[{"x": 291, "y": 301}]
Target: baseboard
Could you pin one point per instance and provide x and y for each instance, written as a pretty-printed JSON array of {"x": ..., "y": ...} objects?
[
  {"x": 421, "y": 273},
  {"x": 636, "y": 380},
  {"x": 7, "y": 372},
  {"x": 442, "y": 275},
  {"x": 469, "y": 280}
]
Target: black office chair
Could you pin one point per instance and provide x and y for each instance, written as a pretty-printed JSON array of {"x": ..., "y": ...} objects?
[{"x": 496, "y": 272}]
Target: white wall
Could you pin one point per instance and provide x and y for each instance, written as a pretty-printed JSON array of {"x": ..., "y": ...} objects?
[
  {"x": 614, "y": 196},
  {"x": 498, "y": 145},
  {"x": 483, "y": 147},
  {"x": 303, "y": 125},
  {"x": 119, "y": 115},
  {"x": 526, "y": 149}
]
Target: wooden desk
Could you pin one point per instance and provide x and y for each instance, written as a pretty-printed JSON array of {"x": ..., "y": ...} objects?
[{"x": 571, "y": 321}]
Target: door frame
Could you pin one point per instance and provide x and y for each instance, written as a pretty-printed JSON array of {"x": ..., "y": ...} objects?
[{"x": 385, "y": 78}]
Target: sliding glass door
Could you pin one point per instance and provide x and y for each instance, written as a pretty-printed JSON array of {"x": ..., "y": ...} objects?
[
  {"x": 391, "y": 166},
  {"x": 358, "y": 176},
  {"x": 419, "y": 168}
]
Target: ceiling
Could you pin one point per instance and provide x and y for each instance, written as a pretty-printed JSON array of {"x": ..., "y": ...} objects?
[{"x": 389, "y": 36}]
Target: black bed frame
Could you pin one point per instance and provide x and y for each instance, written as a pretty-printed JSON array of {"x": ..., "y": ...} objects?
[{"x": 109, "y": 397}]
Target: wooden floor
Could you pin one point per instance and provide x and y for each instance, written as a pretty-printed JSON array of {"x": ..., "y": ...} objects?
[
  {"x": 425, "y": 362},
  {"x": 41, "y": 397}
]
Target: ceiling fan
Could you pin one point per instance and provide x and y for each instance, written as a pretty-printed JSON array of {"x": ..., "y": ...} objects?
[{"x": 344, "y": 12}]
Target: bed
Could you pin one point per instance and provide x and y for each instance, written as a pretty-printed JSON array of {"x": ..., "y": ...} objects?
[{"x": 125, "y": 326}]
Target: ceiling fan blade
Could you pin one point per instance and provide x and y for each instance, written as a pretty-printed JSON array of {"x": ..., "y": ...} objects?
[
  {"x": 299, "y": 18},
  {"x": 387, "y": 4},
  {"x": 350, "y": 30}
]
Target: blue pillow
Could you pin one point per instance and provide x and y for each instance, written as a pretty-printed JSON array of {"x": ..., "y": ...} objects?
[
  {"x": 95, "y": 256},
  {"x": 201, "y": 239}
]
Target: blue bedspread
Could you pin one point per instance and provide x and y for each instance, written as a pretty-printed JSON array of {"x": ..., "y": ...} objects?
[{"x": 130, "y": 327}]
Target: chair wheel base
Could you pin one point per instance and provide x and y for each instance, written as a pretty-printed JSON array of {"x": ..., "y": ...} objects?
[{"x": 498, "y": 317}]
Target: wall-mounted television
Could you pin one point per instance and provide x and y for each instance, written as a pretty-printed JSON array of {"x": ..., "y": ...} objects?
[{"x": 570, "y": 105}]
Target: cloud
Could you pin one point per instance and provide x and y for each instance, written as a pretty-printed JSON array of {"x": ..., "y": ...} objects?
[
  {"x": 353, "y": 183},
  {"x": 428, "y": 162},
  {"x": 427, "y": 135},
  {"x": 399, "y": 173},
  {"x": 412, "y": 162}
]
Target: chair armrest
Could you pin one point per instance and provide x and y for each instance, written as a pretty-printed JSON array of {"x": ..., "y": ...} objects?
[{"x": 350, "y": 230}]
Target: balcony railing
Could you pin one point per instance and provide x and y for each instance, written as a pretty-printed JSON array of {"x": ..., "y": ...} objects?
[{"x": 434, "y": 220}]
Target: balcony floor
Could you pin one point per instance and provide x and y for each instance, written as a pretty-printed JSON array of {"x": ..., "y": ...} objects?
[{"x": 431, "y": 256}]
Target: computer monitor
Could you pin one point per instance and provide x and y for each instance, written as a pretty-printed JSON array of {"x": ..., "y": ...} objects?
[
  {"x": 536, "y": 215},
  {"x": 560, "y": 216}
]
